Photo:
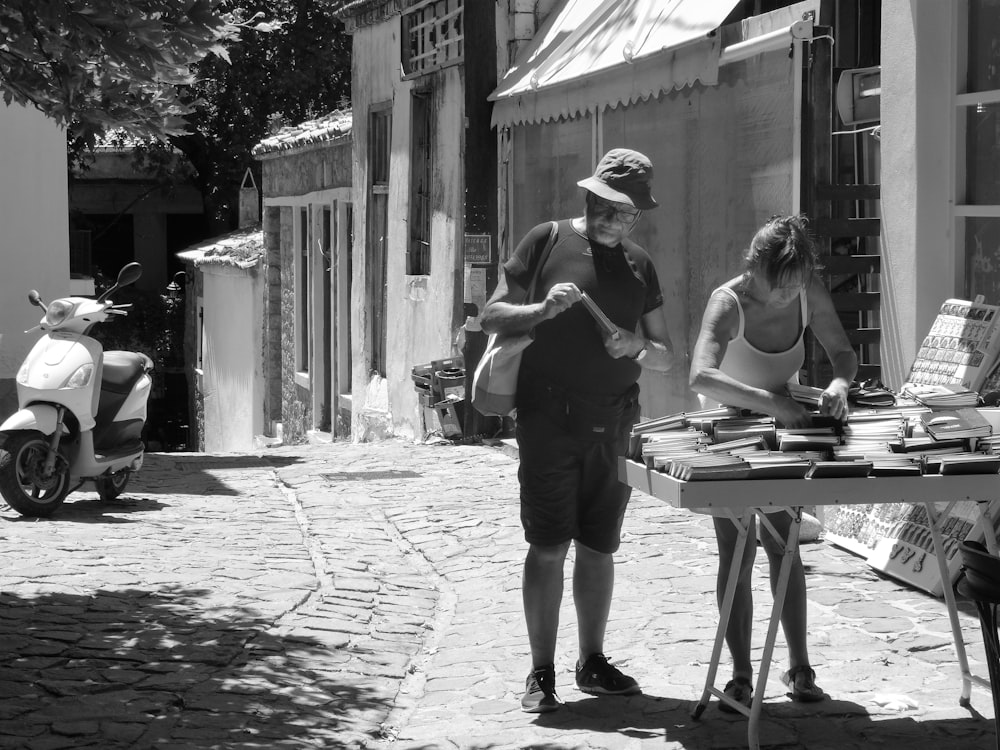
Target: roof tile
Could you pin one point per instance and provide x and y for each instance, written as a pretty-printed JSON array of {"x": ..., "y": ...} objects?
[{"x": 337, "y": 124}]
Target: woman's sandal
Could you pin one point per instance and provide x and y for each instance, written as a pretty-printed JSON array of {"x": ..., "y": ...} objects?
[
  {"x": 801, "y": 682},
  {"x": 740, "y": 690}
]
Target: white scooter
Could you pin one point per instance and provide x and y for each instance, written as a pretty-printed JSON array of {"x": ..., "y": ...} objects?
[{"x": 81, "y": 409}]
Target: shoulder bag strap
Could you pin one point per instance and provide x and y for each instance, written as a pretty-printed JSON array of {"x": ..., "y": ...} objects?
[{"x": 553, "y": 233}]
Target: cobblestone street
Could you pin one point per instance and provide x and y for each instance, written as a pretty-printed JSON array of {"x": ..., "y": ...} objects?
[{"x": 368, "y": 595}]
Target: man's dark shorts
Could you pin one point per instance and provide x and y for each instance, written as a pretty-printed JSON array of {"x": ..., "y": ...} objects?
[{"x": 569, "y": 486}]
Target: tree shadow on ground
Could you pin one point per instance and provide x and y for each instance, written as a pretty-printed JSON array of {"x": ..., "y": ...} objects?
[
  {"x": 91, "y": 509},
  {"x": 831, "y": 724},
  {"x": 168, "y": 473},
  {"x": 171, "y": 669}
]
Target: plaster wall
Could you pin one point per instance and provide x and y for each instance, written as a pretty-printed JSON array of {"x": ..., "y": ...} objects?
[
  {"x": 34, "y": 241},
  {"x": 422, "y": 310},
  {"x": 232, "y": 381},
  {"x": 326, "y": 165},
  {"x": 920, "y": 261}
]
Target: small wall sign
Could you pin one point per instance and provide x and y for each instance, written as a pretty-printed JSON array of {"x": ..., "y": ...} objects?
[{"x": 478, "y": 248}]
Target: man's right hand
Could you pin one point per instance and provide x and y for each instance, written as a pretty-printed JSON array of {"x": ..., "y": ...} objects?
[{"x": 560, "y": 298}]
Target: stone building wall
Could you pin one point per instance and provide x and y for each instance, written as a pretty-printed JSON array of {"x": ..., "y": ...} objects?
[{"x": 294, "y": 401}]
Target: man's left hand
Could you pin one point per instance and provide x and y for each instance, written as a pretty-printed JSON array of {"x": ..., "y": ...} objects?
[{"x": 623, "y": 344}]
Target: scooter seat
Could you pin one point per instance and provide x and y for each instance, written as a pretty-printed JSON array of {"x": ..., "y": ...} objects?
[{"x": 123, "y": 369}]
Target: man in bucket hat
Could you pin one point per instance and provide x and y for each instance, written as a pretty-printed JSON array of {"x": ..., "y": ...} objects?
[{"x": 577, "y": 399}]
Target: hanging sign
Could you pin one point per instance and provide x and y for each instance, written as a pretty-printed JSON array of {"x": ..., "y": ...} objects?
[{"x": 478, "y": 248}]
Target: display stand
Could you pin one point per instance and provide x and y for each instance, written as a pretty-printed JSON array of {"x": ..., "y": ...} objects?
[{"x": 738, "y": 499}]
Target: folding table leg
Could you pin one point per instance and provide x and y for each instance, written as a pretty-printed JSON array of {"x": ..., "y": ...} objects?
[
  {"x": 986, "y": 512},
  {"x": 743, "y": 531},
  {"x": 790, "y": 545},
  {"x": 934, "y": 521}
]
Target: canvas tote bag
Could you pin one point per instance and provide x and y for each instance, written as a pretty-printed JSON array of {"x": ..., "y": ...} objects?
[{"x": 494, "y": 384}]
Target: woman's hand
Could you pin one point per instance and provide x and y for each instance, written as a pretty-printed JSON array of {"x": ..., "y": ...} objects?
[
  {"x": 790, "y": 413},
  {"x": 833, "y": 400}
]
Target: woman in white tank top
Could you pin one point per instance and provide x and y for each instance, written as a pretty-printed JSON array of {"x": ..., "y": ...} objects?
[{"x": 750, "y": 346}]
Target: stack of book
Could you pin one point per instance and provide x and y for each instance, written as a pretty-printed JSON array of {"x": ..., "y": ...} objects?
[
  {"x": 778, "y": 464},
  {"x": 707, "y": 466},
  {"x": 726, "y": 430},
  {"x": 869, "y": 433},
  {"x": 943, "y": 396},
  {"x": 660, "y": 447},
  {"x": 962, "y": 463},
  {"x": 956, "y": 423},
  {"x": 806, "y": 395},
  {"x": 830, "y": 469},
  {"x": 820, "y": 439}
]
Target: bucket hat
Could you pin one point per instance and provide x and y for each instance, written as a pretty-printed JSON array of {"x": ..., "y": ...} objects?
[{"x": 623, "y": 176}]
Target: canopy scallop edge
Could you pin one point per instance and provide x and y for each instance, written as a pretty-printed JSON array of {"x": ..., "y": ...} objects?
[{"x": 595, "y": 54}]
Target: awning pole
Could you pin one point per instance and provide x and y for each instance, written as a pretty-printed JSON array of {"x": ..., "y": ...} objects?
[
  {"x": 774, "y": 40},
  {"x": 797, "y": 126}
]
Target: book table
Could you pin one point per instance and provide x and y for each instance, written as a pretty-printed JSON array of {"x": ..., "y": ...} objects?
[{"x": 738, "y": 499}]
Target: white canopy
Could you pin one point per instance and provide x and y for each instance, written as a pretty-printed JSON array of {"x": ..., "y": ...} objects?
[{"x": 591, "y": 54}]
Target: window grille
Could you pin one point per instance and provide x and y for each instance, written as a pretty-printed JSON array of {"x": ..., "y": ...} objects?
[
  {"x": 378, "y": 224},
  {"x": 302, "y": 294},
  {"x": 433, "y": 36},
  {"x": 418, "y": 259}
]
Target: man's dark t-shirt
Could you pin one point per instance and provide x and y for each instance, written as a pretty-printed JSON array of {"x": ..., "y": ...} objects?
[{"x": 568, "y": 350}]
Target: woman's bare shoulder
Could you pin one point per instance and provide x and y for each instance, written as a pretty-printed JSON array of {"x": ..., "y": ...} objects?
[{"x": 723, "y": 306}]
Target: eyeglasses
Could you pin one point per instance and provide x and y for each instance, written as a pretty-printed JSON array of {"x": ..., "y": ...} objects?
[{"x": 613, "y": 213}]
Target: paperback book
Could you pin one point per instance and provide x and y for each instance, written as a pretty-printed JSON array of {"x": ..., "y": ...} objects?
[{"x": 958, "y": 423}]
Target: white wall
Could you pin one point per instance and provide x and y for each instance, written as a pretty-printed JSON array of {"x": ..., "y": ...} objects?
[
  {"x": 232, "y": 380},
  {"x": 918, "y": 145},
  {"x": 34, "y": 225},
  {"x": 421, "y": 310}
]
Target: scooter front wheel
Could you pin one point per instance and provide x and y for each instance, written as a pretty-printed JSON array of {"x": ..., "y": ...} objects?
[
  {"x": 24, "y": 483},
  {"x": 112, "y": 486}
]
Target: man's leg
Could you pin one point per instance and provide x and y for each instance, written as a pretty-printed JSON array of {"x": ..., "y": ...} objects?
[
  {"x": 541, "y": 590},
  {"x": 593, "y": 586}
]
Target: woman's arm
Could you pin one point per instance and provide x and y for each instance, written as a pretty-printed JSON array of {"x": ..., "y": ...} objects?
[
  {"x": 826, "y": 326},
  {"x": 718, "y": 327}
]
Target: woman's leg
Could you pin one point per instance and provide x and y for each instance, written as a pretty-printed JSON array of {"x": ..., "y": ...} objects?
[
  {"x": 793, "y": 614},
  {"x": 741, "y": 618}
]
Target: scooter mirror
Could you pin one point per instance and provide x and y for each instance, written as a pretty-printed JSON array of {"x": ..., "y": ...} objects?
[
  {"x": 36, "y": 299},
  {"x": 129, "y": 274}
]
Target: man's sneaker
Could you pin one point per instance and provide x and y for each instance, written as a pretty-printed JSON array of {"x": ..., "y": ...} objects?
[
  {"x": 540, "y": 691},
  {"x": 598, "y": 677}
]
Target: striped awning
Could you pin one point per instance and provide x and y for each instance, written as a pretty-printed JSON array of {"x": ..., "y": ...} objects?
[{"x": 592, "y": 54}]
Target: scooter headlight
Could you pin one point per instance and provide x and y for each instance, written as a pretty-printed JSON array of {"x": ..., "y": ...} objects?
[
  {"x": 22, "y": 374},
  {"x": 57, "y": 312},
  {"x": 81, "y": 378}
]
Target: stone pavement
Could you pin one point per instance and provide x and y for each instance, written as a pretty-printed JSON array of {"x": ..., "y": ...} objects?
[{"x": 342, "y": 596}]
